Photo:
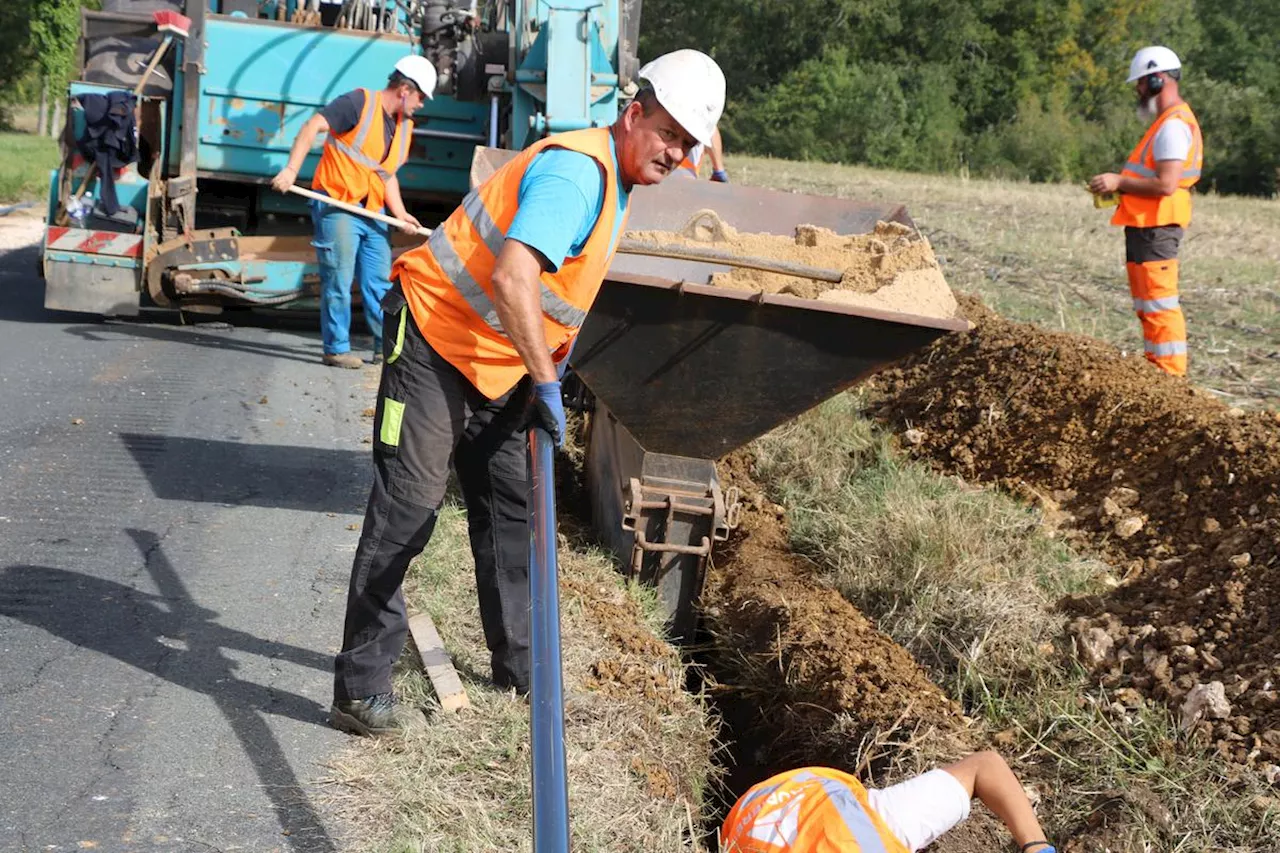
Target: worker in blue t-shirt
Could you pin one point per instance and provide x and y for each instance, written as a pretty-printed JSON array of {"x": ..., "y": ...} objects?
[{"x": 477, "y": 329}]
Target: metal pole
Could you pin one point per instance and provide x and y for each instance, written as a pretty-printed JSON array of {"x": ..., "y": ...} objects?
[
  {"x": 550, "y": 782},
  {"x": 493, "y": 121}
]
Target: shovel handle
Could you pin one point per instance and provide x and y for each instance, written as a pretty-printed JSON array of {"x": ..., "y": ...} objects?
[
  {"x": 358, "y": 211},
  {"x": 546, "y": 694},
  {"x": 729, "y": 259}
]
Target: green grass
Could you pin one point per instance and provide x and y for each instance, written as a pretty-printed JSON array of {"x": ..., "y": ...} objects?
[
  {"x": 966, "y": 579},
  {"x": 25, "y": 162}
]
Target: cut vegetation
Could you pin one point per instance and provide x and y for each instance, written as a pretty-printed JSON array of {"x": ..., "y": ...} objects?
[
  {"x": 881, "y": 613},
  {"x": 638, "y": 745}
]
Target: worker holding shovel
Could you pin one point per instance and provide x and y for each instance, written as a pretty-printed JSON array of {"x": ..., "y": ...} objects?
[
  {"x": 369, "y": 135},
  {"x": 476, "y": 331}
]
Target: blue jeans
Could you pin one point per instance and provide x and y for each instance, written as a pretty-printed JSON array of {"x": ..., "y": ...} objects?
[{"x": 349, "y": 247}]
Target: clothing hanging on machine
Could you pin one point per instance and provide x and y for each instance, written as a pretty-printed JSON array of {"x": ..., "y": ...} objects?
[{"x": 109, "y": 140}]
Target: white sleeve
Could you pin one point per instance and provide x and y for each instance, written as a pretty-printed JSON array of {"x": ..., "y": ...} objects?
[
  {"x": 921, "y": 809},
  {"x": 1173, "y": 141}
]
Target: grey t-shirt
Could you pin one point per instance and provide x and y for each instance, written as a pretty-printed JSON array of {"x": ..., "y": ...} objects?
[
  {"x": 343, "y": 113},
  {"x": 1173, "y": 141}
]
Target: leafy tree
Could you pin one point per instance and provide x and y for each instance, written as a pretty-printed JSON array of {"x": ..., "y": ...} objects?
[
  {"x": 54, "y": 29},
  {"x": 1024, "y": 88}
]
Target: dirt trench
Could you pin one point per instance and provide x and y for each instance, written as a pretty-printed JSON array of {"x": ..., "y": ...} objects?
[
  {"x": 800, "y": 677},
  {"x": 796, "y": 675},
  {"x": 1178, "y": 492}
]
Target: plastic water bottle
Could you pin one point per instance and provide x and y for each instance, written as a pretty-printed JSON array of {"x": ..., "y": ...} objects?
[{"x": 78, "y": 209}]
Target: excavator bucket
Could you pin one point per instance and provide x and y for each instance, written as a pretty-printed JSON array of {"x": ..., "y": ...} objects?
[
  {"x": 697, "y": 371},
  {"x": 682, "y": 373}
]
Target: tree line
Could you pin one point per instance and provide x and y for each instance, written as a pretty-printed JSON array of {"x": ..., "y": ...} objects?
[{"x": 1023, "y": 89}]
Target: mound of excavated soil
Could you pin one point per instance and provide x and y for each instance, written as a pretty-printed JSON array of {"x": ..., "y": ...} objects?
[
  {"x": 892, "y": 268},
  {"x": 816, "y": 676},
  {"x": 1172, "y": 487}
]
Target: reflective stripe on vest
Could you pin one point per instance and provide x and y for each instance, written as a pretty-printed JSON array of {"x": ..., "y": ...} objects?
[
  {"x": 792, "y": 811},
  {"x": 345, "y": 152},
  {"x": 447, "y": 281},
  {"x": 493, "y": 237},
  {"x": 1142, "y": 159},
  {"x": 853, "y": 814},
  {"x": 1171, "y": 348},
  {"x": 1139, "y": 211},
  {"x": 693, "y": 159}
]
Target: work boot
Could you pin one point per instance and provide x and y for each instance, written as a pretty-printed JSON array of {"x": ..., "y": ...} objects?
[
  {"x": 376, "y": 716},
  {"x": 505, "y": 680},
  {"x": 349, "y": 360}
]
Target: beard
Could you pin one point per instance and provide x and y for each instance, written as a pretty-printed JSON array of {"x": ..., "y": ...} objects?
[{"x": 1148, "y": 109}]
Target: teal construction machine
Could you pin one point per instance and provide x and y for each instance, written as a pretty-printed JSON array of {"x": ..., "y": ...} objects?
[{"x": 674, "y": 373}]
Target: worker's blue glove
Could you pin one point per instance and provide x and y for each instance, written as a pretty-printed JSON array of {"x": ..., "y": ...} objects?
[
  {"x": 548, "y": 410},
  {"x": 720, "y": 176}
]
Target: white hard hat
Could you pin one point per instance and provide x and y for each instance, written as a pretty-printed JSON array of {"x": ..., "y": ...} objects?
[
  {"x": 690, "y": 86},
  {"x": 1151, "y": 60},
  {"x": 420, "y": 70}
]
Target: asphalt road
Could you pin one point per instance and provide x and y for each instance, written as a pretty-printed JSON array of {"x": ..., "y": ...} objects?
[{"x": 174, "y": 550}]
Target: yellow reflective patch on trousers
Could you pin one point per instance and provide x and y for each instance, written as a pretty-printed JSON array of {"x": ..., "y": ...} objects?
[
  {"x": 392, "y": 420},
  {"x": 399, "y": 345}
]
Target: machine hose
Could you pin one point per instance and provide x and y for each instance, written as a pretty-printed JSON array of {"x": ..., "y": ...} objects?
[{"x": 228, "y": 290}]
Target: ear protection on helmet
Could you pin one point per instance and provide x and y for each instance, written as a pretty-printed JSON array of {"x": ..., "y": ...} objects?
[{"x": 1154, "y": 83}]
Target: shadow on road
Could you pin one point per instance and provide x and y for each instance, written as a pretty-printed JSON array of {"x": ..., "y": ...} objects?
[
  {"x": 22, "y": 290},
  {"x": 204, "y": 470},
  {"x": 218, "y": 335},
  {"x": 172, "y": 637}
]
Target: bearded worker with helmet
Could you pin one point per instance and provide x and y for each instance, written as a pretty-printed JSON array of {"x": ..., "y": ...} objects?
[
  {"x": 369, "y": 136},
  {"x": 477, "y": 330},
  {"x": 1155, "y": 203}
]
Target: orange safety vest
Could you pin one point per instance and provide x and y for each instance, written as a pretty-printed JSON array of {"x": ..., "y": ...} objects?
[
  {"x": 810, "y": 810},
  {"x": 446, "y": 282},
  {"x": 1140, "y": 211},
  {"x": 352, "y": 168}
]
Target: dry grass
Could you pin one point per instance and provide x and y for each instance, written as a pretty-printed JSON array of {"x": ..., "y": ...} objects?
[
  {"x": 960, "y": 576},
  {"x": 638, "y": 746},
  {"x": 966, "y": 579},
  {"x": 1042, "y": 253}
]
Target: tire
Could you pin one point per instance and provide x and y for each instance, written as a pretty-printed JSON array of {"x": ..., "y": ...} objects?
[{"x": 114, "y": 61}]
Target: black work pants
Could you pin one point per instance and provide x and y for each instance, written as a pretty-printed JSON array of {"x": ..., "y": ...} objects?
[{"x": 427, "y": 413}]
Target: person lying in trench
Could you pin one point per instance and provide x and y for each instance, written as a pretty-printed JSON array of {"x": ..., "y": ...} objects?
[{"x": 820, "y": 810}]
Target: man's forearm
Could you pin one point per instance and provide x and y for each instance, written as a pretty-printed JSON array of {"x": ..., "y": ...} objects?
[
  {"x": 395, "y": 204},
  {"x": 987, "y": 776},
  {"x": 302, "y": 146},
  {"x": 517, "y": 298},
  {"x": 1153, "y": 187},
  {"x": 717, "y": 152}
]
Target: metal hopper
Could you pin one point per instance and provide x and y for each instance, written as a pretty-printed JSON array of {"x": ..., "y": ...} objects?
[{"x": 680, "y": 373}]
